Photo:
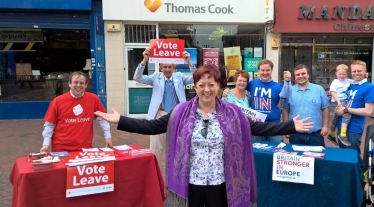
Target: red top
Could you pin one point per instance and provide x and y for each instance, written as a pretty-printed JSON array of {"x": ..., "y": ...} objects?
[{"x": 74, "y": 121}]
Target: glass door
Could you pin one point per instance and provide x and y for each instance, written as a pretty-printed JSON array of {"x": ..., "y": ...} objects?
[{"x": 138, "y": 94}]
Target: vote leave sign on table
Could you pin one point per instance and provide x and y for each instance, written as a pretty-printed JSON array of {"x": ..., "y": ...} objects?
[
  {"x": 293, "y": 168},
  {"x": 166, "y": 51},
  {"x": 90, "y": 178}
]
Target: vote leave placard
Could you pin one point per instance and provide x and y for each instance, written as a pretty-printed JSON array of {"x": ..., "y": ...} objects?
[
  {"x": 166, "y": 51},
  {"x": 86, "y": 179}
]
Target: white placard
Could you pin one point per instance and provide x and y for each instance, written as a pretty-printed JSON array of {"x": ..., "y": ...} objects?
[
  {"x": 293, "y": 168},
  {"x": 257, "y": 52},
  {"x": 253, "y": 114}
]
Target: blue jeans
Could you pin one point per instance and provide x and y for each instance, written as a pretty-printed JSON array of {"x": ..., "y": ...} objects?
[
  {"x": 354, "y": 139},
  {"x": 278, "y": 138},
  {"x": 313, "y": 139}
]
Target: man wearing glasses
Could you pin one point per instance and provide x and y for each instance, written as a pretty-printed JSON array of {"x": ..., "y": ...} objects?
[{"x": 168, "y": 91}]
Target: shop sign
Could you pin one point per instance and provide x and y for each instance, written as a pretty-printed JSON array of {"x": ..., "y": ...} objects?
[
  {"x": 139, "y": 100},
  {"x": 114, "y": 28},
  {"x": 20, "y": 36},
  {"x": 254, "y": 11},
  {"x": 166, "y": 51},
  {"x": 341, "y": 13},
  {"x": 251, "y": 64}
]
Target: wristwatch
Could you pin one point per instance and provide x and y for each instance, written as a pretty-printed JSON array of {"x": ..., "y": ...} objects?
[{"x": 346, "y": 110}]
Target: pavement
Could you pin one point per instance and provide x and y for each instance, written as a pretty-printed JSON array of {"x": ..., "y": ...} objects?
[{"x": 19, "y": 137}]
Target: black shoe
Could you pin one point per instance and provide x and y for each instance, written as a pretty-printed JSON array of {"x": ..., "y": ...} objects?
[
  {"x": 344, "y": 140},
  {"x": 332, "y": 139}
]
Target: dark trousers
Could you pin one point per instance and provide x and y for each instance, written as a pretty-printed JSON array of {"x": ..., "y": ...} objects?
[
  {"x": 207, "y": 195},
  {"x": 314, "y": 138}
]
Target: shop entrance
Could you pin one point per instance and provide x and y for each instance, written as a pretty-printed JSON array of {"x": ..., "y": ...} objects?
[
  {"x": 35, "y": 64},
  {"x": 138, "y": 94}
]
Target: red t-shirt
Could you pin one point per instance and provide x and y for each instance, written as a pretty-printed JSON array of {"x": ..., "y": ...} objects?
[{"x": 74, "y": 121}]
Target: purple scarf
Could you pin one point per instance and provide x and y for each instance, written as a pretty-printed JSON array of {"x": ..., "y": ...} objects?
[{"x": 240, "y": 174}]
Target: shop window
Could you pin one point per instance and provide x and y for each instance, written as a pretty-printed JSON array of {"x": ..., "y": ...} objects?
[
  {"x": 351, "y": 40},
  {"x": 329, "y": 40},
  {"x": 139, "y": 33},
  {"x": 35, "y": 64},
  {"x": 297, "y": 40}
]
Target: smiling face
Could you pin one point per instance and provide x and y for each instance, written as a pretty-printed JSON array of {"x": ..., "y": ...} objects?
[
  {"x": 206, "y": 89},
  {"x": 265, "y": 72},
  {"x": 302, "y": 77},
  {"x": 342, "y": 74},
  {"x": 78, "y": 85},
  {"x": 241, "y": 82},
  {"x": 358, "y": 72},
  {"x": 167, "y": 70}
]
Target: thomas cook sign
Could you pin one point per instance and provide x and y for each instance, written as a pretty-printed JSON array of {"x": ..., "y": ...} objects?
[{"x": 207, "y": 11}]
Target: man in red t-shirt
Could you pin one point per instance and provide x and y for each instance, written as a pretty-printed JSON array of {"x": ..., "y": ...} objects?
[{"x": 69, "y": 118}]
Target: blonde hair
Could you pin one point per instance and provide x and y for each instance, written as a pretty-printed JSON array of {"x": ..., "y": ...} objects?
[
  {"x": 359, "y": 62},
  {"x": 342, "y": 67}
]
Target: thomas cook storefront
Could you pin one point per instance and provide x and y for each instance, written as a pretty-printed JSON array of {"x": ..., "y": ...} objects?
[
  {"x": 41, "y": 43},
  {"x": 323, "y": 34},
  {"x": 215, "y": 25}
]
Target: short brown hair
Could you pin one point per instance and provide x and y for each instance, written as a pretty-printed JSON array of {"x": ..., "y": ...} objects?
[
  {"x": 342, "y": 67},
  {"x": 359, "y": 62},
  {"x": 207, "y": 69},
  {"x": 301, "y": 66},
  {"x": 264, "y": 62},
  {"x": 79, "y": 73},
  {"x": 241, "y": 73}
]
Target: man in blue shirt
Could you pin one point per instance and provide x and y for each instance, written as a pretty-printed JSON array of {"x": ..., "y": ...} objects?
[
  {"x": 360, "y": 105},
  {"x": 307, "y": 100}
]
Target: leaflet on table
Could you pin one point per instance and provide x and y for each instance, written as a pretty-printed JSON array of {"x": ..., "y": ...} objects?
[
  {"x": 313, "y": 154},
  {"x": 90, "y": 150},
  {"x": 253, "y": 114},
  {"x": 140, "y": 152},
  {"x": 122, "y": 147},
  {"x": 277, "y": 149},
  {"x": 308, "y": 148},
  {"x": 81, "y": 158},
  {"x": 106, "y": 149},
  {"x": 60, "y": 154}
]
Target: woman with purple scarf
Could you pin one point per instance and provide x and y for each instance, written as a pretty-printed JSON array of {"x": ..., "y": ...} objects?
[{"x": 209, "y": 156}]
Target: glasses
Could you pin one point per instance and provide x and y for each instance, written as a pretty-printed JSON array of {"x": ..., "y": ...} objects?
[{"x": 204, "y": 131}]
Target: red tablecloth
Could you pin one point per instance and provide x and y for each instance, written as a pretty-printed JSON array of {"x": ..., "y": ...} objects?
[{"x": 137, "y": 182}]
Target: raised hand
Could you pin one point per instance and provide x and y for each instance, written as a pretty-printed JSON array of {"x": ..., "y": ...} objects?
[
  {"x": 186, "y": 57},
  {"x": 287, "y": 75},
  {"x": 145, "y": 56}
]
